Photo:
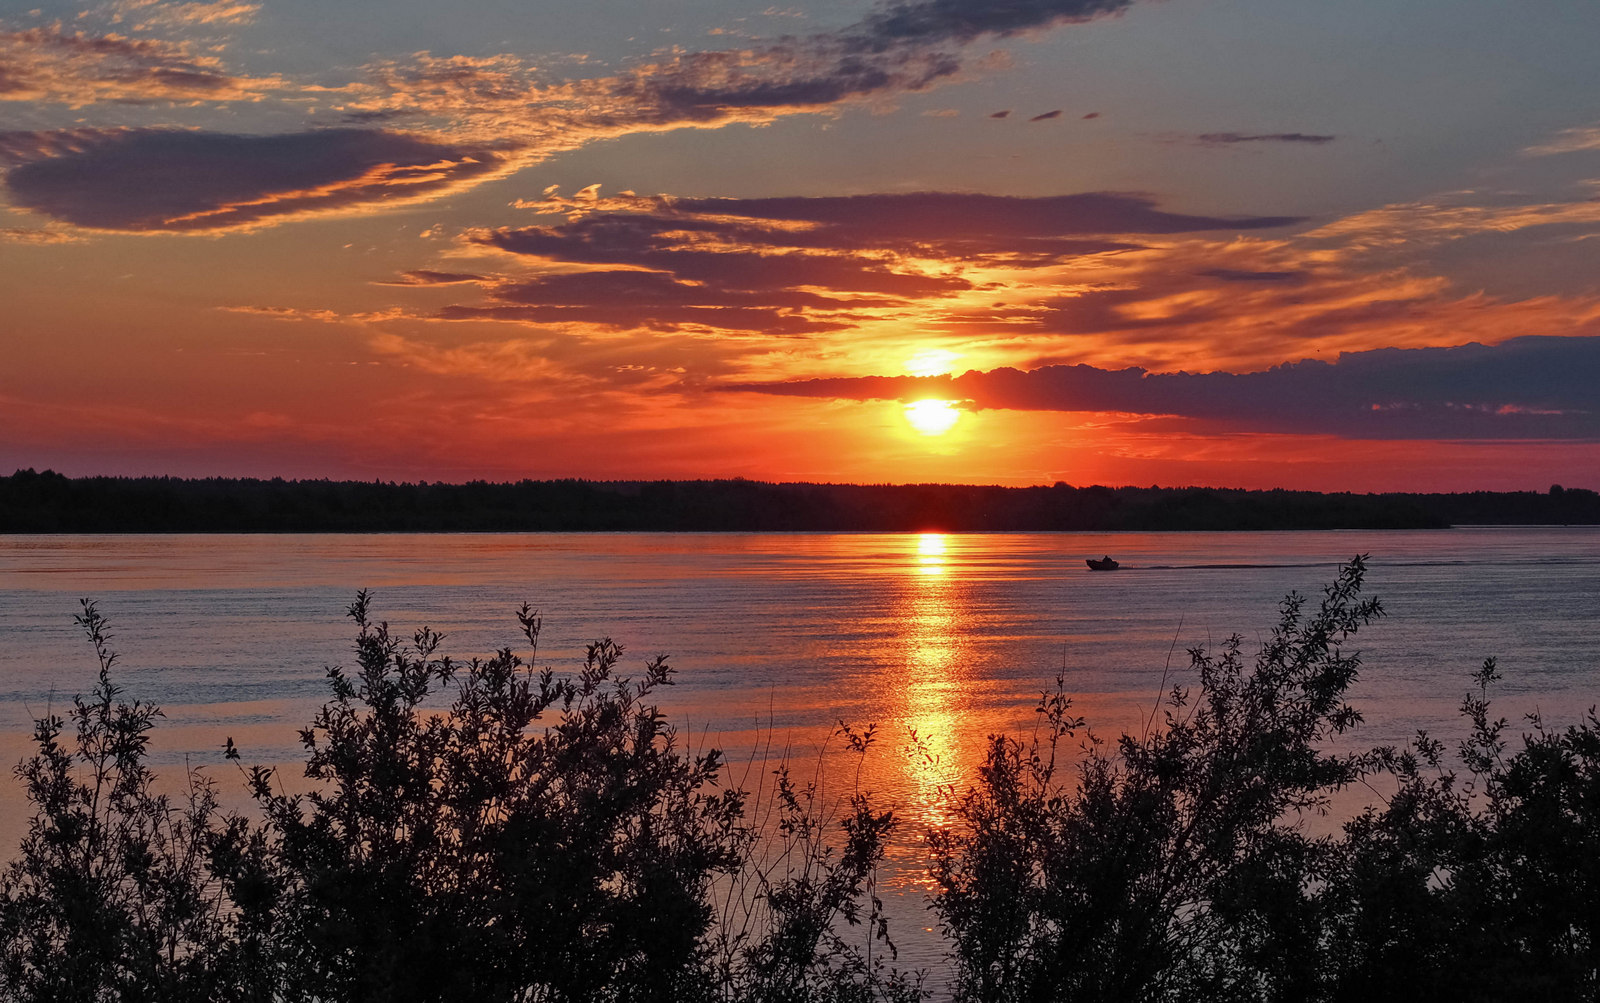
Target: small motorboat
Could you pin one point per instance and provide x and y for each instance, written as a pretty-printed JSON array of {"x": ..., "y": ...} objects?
[{"x": 1103, "y": 564}]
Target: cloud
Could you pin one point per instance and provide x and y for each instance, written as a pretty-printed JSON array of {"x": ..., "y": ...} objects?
[
  {"x": 1526, "y": 388},
  {"x": 789, "y": 265},
  {"x": 53, "y": 66},
  {"x": 1230, "y": 138},
  {"x": 1104, "y": 279},
  {"x": 148, "y": 14},
  {"x": 289, "y": 313},
  {"x": 634, "y": 300},
  {"x": 467, "y": 111},
  {"x": 936, "y": 216},
  {"x": 1247, "y": 275},
  {"x": 901, "y": 48},
  {"x": 1568, "y": 141},
  {"x": 170, "y": 181},
  {"x": 1004, "y": 113},
  {"x": 428, "y": 277},
  {"x": 897, "y": 48},
  {"x": 704, "y": 88},
  {"x": 950, "y": 227},
  {"x": 1047, "y": 116},
  {"x": 677, "y": 247},
  {"x": 19, "y": 235},
  {"x": 963, "y": 21},
  {"x": 1425, "y": 223}
]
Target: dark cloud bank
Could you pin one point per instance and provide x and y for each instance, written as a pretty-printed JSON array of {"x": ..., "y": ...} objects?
[
  {"x": 1527, "y": 388},
  {"x": 169, "y": 180}
]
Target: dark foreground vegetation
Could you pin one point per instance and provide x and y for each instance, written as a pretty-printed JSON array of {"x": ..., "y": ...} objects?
[
  {"x": 47, "y": 502},
  {"x": 548, "y": 838}
]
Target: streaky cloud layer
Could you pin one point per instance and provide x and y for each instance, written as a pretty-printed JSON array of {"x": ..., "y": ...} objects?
[
  {"x": 1525, "y": 388},
  {"x": 791, "y": 265}
]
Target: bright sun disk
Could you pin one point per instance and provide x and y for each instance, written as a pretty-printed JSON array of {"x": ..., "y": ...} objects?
[{"x": 932, "y": 417}]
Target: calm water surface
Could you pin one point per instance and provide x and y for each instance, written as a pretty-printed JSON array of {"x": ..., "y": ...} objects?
[{"x": 778, "y": 637}]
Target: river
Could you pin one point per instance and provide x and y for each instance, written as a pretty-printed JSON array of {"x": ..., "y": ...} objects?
[{"x": 777, "y": 637}]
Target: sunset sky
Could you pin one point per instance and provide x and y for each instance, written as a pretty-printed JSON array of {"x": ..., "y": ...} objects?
[{"x": 1252, "y": 243}]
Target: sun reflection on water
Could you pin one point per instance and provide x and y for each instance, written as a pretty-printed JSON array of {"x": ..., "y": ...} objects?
[
  {"x": 934, "y": 690},
  {"x": 930, "y": 553}
]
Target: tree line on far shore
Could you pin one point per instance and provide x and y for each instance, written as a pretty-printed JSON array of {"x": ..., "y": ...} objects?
[
  {"x": 47, "y": 502},
  {"x": 546, "y": 837}
]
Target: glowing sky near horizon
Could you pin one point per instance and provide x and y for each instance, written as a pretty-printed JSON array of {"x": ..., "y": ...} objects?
[{"x": 1251, "y": 243}]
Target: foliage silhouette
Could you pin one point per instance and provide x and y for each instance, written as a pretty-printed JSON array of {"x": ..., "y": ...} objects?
[
  {"x": 541, "y": 838},
  {"x": 1178, "y": 864},
  {"x": 464, "y": 854},
  {"x": 109, "y": 897}
]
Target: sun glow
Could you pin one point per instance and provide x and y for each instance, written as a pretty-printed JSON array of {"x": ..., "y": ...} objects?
[
  {"x": 932, "y": 417},
  {"x": 931, "y": 362}
]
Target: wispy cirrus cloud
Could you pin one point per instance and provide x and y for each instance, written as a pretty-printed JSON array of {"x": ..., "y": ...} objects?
[
  {"x": 51, "y": 65},
  {"x": 1443, "y": 220},
  {"x": 24, "y": 235},
  {"x": 900, "y": 48},
  {"x": 145, "y": 15},
  {"x": 1573, "y": 140}
]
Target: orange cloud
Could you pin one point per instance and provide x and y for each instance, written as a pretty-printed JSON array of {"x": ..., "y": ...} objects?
[
  {"x": 148, "y": 14},
  {"x": 19, "y": 235},
  {"x": 50, "y": 65}
]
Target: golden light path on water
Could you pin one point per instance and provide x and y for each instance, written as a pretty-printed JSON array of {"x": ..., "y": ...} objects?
[{"x": 933, "y": 687}]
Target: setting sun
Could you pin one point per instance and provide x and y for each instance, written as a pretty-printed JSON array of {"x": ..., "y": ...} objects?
[{"x": 932, "y": 417}]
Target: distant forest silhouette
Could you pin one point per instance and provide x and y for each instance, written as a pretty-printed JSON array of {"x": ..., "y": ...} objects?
[{"x": 48, "y": 502}]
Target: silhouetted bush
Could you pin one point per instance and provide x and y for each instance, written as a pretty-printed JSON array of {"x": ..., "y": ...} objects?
[
  {"x": 1182, "y": 864},
  {"x": 110, "y": 897},
  {"x": 543, "y": 838},
  {"x": 1476, "y": 888}
]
